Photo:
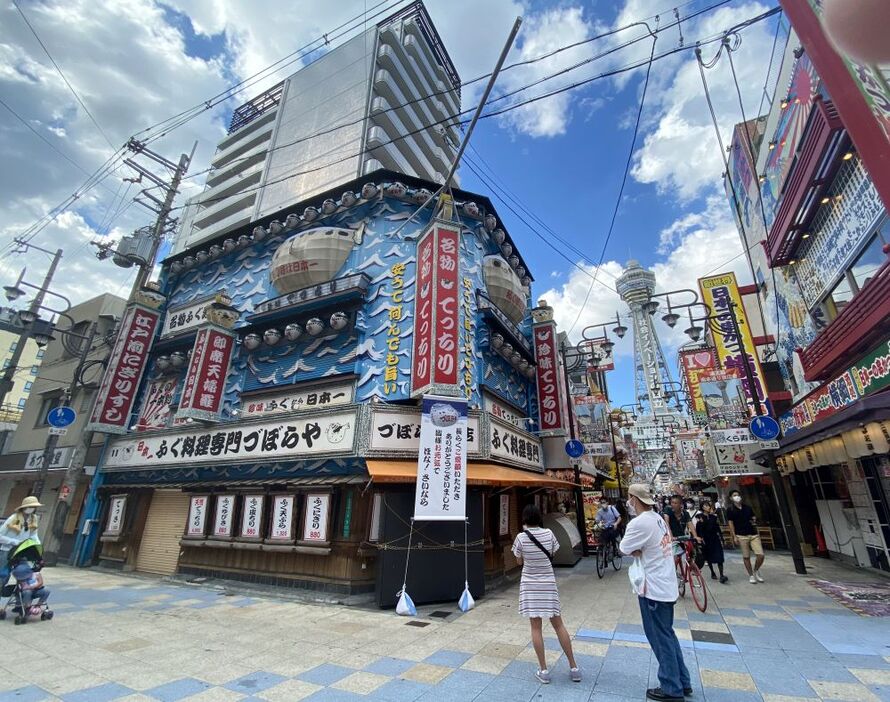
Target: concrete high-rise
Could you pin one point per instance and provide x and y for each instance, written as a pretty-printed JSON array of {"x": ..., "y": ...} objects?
[{"x": 387, "y": 98}]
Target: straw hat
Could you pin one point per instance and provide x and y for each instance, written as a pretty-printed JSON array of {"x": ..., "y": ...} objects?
[{"x": 30, "y": 501}]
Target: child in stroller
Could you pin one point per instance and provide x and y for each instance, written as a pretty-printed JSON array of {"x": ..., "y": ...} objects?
[{"x": 26, "y": 563}]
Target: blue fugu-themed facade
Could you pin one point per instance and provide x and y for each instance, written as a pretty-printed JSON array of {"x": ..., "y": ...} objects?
[{"x": 275, "y": 431}]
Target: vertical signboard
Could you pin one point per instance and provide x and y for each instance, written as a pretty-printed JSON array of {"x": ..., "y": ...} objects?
[
  {"x": 282, "y": 518},
  {"x": 694, "y": 363},
  {"x": 252, "y": 517},
  {"x": 721, "y": 294},
  {"x": 117, "y": 393},
  {"x": 197, "y": 522},
  {"x": 116, "y": 509},
  {"x": 224, "y": 521},
  {"x": 504, "y": 516},
  {"x": 550, "y": 406},
  {"x": 441, "y": 492},
  {"x": 436, "y": 324},
  {"x": 156, "y": 410},
  {"x": 205, "y": 381},
  {"x": 601, "y": 353},
  {"x": 315, "y": 520}
]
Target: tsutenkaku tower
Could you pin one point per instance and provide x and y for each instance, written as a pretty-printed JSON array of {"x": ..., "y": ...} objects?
[{"x": 651, "y": 376}]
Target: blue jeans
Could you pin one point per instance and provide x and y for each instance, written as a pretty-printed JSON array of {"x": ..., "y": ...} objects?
[{"x": 658, "y": 623}]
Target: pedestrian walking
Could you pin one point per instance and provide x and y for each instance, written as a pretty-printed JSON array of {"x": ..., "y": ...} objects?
[
  {"x": 708, "y": 528},
  {"x": 538, "y": 595},
  {"x": 648, "y": 538},
  {"x": 743, "y": 527}
]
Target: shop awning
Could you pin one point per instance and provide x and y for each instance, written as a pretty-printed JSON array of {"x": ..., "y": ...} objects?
[
  {"x": 479, "y": 474},
  {"x": 233, "y": 484}
]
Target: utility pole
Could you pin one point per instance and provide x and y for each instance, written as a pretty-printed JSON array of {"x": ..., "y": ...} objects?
[{"x": 8, "y": 380}]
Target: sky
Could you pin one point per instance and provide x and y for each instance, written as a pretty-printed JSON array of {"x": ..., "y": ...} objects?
[{"x": 563, "y": 159}]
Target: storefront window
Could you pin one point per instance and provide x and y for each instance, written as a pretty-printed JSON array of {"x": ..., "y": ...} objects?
[
  {"x": 838, "y": 298},
  {"x": 869, "y": 261}
]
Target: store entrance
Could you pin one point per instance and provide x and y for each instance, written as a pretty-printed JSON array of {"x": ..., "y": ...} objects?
[{"x": 878, "y": 538}]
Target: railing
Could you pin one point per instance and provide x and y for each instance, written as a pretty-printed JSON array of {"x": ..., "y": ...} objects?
[
  {"x": 863, "y": 322},
  {"x": 11, "y": 414},
  {"x": 249, "y": 111},
  {"x": 813, "y": 170}
]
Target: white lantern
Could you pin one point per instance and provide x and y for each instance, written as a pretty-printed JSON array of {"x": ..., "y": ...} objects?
[
  {"x": 275, "y": 227},
  {"x": 259, "y": 233},
  {"x": 292, "y": 221},
  {"x": 421, "y": 196},
  {"x": 856, "y": 442},
  {"x": 314, "y": 326},
  {"x": 252, "y": 341},
  {"x": 271, "y": 336},
  {"x": 292, "y": 332},
  {"x": 215, "y": 251},
  {"x": 507, "y": 249},
  {"x": 397, "y": 190},
  {"x": 819, "y": 454},
  {"x": 162, "y": 363},
  {"x": 497, "y": 340},
  {"x": 202, "y": 257},
  {"x": 229, "y": 245},
  {"x": 499, "y": 236},
  {"x": 490, "y": 222},
  {"x": 514, "y": 262},
  {"x": 339, "y": 320},
  {"x": 243, "y": 240},
  {"x": 879, "y": 433},
  {"x": 471, "y": 209}
]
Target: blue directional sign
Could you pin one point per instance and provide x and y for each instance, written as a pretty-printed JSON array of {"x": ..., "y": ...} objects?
[
  {"x": 574, "y": 448},
  {"x": 764, "y": 428},
  {"x": 61, "y": 417}
]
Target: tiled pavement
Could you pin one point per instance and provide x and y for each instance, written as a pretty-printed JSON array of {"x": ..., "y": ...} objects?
[{"x": 133, "y": 639}]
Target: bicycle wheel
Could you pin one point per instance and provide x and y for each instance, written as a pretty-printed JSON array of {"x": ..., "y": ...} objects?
[
  {"x": 601, "y": 561},
  {"x": 681, "y": 579},
  {"x": 616, "y": 557},
  {"x": 698, "y": 587}
]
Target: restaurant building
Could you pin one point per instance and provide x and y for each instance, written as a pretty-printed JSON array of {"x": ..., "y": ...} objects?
[{"x": 274, "y": 435}]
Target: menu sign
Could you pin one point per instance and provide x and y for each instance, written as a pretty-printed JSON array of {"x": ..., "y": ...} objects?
[
  {"x": 116, "y": 510},
  {"x": 282, "y": 518},
  {"x": 197, "y": 516},
  {"x": 315, "y": 521},
  {"x": 223, "y": 525},
  {"x": 252, "y": 517}
]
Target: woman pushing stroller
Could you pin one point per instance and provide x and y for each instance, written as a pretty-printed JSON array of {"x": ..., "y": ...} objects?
[
  {"x": 19, "y": 527},
  {"x": 28, "y": 595}
]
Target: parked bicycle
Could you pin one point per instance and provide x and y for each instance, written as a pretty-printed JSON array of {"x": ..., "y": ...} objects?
[
  {"x": 688, "y": 573},
  {"x": 607, "y": 551}
]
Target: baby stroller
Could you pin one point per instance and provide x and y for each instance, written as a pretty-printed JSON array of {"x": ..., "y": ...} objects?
[{"x": 28, "y": 554}]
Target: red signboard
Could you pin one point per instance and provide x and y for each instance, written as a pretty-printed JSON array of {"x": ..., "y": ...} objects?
[
  {"x": 437, "y": 307},
  {"x": 205, "y": 381},
  {"x": 694, "y": 363},
  {"x": 549, "y": 400},
  {"x": 117, "y": 393},
  {"x": 155, "y": 412}
]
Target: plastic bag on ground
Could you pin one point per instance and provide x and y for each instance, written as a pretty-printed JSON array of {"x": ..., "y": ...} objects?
[
  {"x": 466, "y": 601},
  {"x": 637, "y": 575},
  {"x": 405, "y": 606}
]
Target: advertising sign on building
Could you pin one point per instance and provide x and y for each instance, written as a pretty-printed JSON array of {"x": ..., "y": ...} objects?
[
  {"x": 437, "y": 307},
  {"x": 694, "y": 362},
  {"x": 315, "y": 520},
  {"x": 224, "y": 520},
  {"x": 304, "y": 435},
  {"x": 156, "y": 409},
  {"x": 282, "y": 518},
  {"x": 547, "y": 367},
  {"x": 504, "y": 516},
  {"x": 126, "y": 364},
  {"x": 60, "y": 459},
  {"x": 197, "y": 523},
  {"x": 603, "y": 358},
  {"x": 399, "y": 430},
  {"x": 724, "y": 397},
  {"x": 502, "y": 410},
  {"x": 441, "y": 492},
  {"x": 205, "y": 381},
  {"x": 721, "y": 294},
  {"x": 117, "y": 507},
  {"x": 297, "y": 400},
  {"x": 512, "y": 445},
  {"x": 185, "y": 318},
  {"x": 252, "y": 517}
]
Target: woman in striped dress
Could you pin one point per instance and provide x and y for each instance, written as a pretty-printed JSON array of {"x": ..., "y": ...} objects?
[{"x": 538, "y": 597}]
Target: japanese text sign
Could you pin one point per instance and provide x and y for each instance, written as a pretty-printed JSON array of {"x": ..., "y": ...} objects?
[
  {"x": 126, "y": 364},
  {"x": 223, "y": 523},
  {"x": 297, "y": 400},
  {"x": 549, "y": 395},
  {"x": 441, "y": 491},
  {"x": 721, "y": 294},
  {"x": 197, "y": 523},
  {"x": 282, "y": 518},
  {"x": 155, "y": 413},
  {"x": 512, "y": 445},
  {"x": 694, "y": 362},
  {"x": 399, "y": 430},
  {"x": 315, "y": 521},
  {"x": 438, "y": 299},
  {"x": 205, "y": 381},
  {"x": 116, "y": 509},
  {"x": 504, "y": 516},
  {"x": 252, "y": 517},
  {"x": 182, "y": 319},
  {"x": 303, "y": 436}
]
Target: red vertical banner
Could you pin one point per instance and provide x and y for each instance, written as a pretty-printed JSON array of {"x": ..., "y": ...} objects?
[
  {"x": 126, "y": 365},
  {"x": 205, "y": 381},
  {"x": 424, "y": 315},
  {"x": 550, "y": 405},
  {"x": 435, "y": 361}
]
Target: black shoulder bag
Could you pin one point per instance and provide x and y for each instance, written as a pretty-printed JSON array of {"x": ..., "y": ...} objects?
[{"x": 538, "y": 544}]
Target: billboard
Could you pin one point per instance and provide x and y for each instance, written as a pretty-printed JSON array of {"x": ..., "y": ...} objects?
[
  {"x": 695, "y": 362},
  {"x": 441, "y": 491},
  {"x": 547, "y": 370},
  {"x": 724, "y": 398},
  {"x": 205, "y": 381}
]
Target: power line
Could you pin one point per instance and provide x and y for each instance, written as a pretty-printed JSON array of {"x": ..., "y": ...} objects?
[{"x": 59, "y": 70}]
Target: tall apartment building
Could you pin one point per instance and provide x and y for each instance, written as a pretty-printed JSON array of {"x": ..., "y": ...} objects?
[
  {"x": 27, "y": 373},
  {"x": 387, "y": 98}
]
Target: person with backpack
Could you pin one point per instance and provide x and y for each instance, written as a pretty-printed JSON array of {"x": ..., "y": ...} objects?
[{"x": 538, "y": 595}]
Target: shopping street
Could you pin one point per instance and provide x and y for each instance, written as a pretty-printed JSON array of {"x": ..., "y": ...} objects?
[{"x": 134, "y": 638}]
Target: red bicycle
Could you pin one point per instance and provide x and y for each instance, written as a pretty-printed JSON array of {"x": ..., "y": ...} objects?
[{"x": 688, "y": 572}]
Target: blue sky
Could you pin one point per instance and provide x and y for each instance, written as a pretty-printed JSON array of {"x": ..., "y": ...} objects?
[{"x": 562, "y": 158}]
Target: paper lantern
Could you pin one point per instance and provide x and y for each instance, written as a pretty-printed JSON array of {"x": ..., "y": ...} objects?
[
  {"x": 819, "y": 454},
  {"x": 858, "y": 28},
  {"x": 879, "y": 432}
]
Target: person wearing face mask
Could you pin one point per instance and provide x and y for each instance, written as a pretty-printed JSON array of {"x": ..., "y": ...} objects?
[
  {"x": 708, "y": 527},
  {"x": 22, "y": 525},
  {"x": 610, "y": 518},
  {"x": 743, "y": 527}
]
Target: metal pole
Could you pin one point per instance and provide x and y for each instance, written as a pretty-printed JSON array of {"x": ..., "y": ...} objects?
[
  {"x": 791, "y": 535},
  {"x": 8, "y": 381},
  {"x": 615, "y": 455},
  {"x": 579, "y": 496}
]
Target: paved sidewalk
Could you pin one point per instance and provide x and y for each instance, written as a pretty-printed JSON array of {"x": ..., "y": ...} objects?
[{"x": 136, "y": 639}]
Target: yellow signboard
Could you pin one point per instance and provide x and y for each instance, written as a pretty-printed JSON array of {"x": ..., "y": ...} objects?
[{"x": 721, "y": 294}]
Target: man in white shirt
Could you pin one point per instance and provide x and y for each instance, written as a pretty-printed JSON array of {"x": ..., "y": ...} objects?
[{"x": 648, "y": 537}]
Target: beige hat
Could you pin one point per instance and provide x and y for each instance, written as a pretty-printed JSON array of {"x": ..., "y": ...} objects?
[
  {"x": 641, "y": 492},
  {"x": 30, "y": 502}
]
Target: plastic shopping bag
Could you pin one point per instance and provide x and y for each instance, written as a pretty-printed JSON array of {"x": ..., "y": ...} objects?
[
  {"x": 405, "y": 605},
  {"x": 466, "y": 601},
  {"x": 637, "y": 575}
]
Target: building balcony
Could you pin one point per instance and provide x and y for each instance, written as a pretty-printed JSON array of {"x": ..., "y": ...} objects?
[
  {"x": 223, "y": 208},
  {"x": 414, "y": 43},
  {"x": 427, "y": 157},
  {"x": 256, "y": 155},
  {"x": 819, "y": 155},
  {"x": 864, "y": 322},
  {"x": 387, "y": 153},
  {"x": 248, "y": 178},
  {"x": 239, "y": 148},
  {"x": 248, "y": 130},
  {"x": 234, "y": 221}
]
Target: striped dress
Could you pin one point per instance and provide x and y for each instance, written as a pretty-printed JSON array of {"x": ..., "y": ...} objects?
[{"x": 538, "y": 596}]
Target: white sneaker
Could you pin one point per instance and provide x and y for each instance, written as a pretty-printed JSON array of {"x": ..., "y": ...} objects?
[
  {"x": 543, "y": 676},
  {"x": 576, "y": 674},
  {"x": 758, "y": 576},
  {"x": 753, "y": 580}
]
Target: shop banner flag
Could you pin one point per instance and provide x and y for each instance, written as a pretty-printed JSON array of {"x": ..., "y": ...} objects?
[{"x": 442, "y": 466}]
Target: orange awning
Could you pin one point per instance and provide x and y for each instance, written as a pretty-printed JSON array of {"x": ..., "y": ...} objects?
[{"x": 479, "y": 474}]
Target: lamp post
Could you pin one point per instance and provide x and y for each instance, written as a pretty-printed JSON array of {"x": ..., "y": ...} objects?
[{"x": 694, "y": 332}]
